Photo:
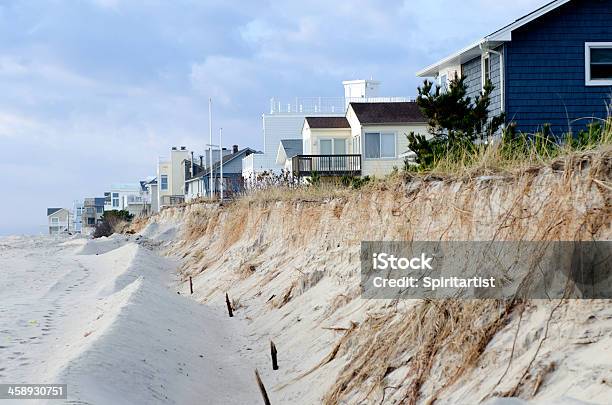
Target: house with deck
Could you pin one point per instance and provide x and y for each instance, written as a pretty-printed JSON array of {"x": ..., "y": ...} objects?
[
  {"x": 59, "y": 221},
  {"x": 285, "y": 120},
  {"x": 552, "y": 66},
  {"x": 370, "y": 140},
  {"x": 227, "y": 172}
]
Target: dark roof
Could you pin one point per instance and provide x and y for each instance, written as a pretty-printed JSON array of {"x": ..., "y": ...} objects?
[
  {"x": 227, "y": 158},
  {"x": 292, "y": 147},
  {"x": 388, "y": 113},
  {"x": 327, "y": 122},
  {"x": 200, "y": 172},
  {"x": 51, "y": 211}
]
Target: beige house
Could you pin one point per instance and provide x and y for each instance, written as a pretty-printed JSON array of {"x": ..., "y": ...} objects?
[
  {"x": 171, "y": 177},
  {"x": 59, "y": 221},
  {"x": 369, "y": 141}
]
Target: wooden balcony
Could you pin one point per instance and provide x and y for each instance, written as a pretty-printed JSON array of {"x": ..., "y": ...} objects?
[{"x": 326, "y": 165}]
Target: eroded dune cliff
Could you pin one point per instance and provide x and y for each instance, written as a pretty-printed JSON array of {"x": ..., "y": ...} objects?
[{"x": 291, "y": 267}]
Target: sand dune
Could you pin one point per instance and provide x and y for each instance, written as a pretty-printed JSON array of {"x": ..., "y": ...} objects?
[{"x": 104, "y": 318}]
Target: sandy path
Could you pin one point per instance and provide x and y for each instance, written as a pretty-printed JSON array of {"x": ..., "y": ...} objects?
[{"x": 104, "y": 318}]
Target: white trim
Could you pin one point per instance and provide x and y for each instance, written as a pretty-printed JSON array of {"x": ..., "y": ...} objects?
[
  {"x": 380, "y": 134},
  {"x": 502, "y": 84},
  {"x": 587, "y": 64},
  {"x": 484, "y": 57},
  {"x": 495, "y": 39}
]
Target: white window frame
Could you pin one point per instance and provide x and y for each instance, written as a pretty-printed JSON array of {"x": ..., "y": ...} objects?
[
  {"x": 161, "y": 187},
  {"x": 380, "y": 134},
  {"x": 54, "y": 220},
  {"x": 587, "y": 64},
  {"x": 485, "y": 57},
  {"x": 333, "y": 145}
]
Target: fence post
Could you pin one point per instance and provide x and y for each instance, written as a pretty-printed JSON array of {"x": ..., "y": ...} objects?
[
  {"x": 190, "y": 285},
  {"x": 262, "y": 389},
  {"x": 229, "y": 306},
  {"x": 273, "y": 352}
]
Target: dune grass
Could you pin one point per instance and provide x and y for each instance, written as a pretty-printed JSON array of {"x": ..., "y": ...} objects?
[{"x": 519, "y": 151}]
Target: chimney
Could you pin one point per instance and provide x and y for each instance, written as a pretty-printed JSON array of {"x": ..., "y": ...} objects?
[
  {"x": 234, "y": 148},
  {"x": 192, "y": 171}
]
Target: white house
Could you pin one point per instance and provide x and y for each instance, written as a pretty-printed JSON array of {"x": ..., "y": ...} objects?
[
  {"x": 286, "y": 121},
  {"x": 126, "y": 196},
  {"x": 77, "y": 219},
  {"x": 379, "y": 133},
  {"x": 287, "y": 149},
  {"x": 369, "y": 141}
]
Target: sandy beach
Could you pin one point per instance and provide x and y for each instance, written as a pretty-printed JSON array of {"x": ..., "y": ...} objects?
[{"x": 105, "y": 318}]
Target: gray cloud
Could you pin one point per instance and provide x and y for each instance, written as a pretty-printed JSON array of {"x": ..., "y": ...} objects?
[{"x": 94, "y": 91}]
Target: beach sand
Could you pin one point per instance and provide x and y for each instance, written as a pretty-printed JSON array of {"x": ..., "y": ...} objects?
[{"x": 104, "y": 317}]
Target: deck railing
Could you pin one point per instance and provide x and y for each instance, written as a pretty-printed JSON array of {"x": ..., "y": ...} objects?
[{"x": 326, "y": 165}]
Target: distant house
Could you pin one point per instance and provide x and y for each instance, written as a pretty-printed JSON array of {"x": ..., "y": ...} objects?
[
  {"x": 129, "y": 197},
  {"x": 198, "y": 185},
  {"x": 287, "y": 149},
  {"x": 93, "y": 209},
  {"x": 552, "y": 66},
  {"x": 150, "y": 193},
  {"x": 285, "y": 120},
  {"x": 77, "y": 215},
  {"x": 58, "y": 221},
  {"x": 369, "y": 141},
  {"x": 171, "y": 177}
]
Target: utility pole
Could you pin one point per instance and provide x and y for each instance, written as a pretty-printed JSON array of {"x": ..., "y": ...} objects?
[
  {"x": 210, "y": 143},
  {"x": 221, "y": 164}
]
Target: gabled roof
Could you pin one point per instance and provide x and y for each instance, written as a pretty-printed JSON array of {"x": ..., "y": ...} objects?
[
  {"x": 327, "y": 122},
  {"x": 51, "y": 211},
  {"x": 492, "y": 40},
  {"x": 388, "y": 113},
  {"x": 292, "y": 147},
  {"x": 202, "y": 172},
  {"x": 288, "y": 148}
]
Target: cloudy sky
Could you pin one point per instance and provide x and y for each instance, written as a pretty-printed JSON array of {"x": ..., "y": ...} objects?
[{"x": 93, "y": 91}]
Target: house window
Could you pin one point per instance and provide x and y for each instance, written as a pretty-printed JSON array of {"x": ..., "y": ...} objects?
[
  {"x": 332, "y": 146},
  {"x": 380, "y": 145},
  {"x": 115, "y": 200},
  {"x": 486, "y": 69},
  {"x": 598, "y": 63},
  {"x": 164, "y": 182},
  {"x": 443, "y": 83},
  {"x": 55, "y": 220}
]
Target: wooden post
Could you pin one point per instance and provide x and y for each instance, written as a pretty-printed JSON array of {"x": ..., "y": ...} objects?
[
  {"x": 262, "y": 389},
  {"x": 229, "y": 306},
  {"x": 273, "y": 352},
  {"x": 190, "y": 285}
]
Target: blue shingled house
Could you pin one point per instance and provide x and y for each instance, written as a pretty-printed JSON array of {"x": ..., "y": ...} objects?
[{"x": 553, "y": 66}]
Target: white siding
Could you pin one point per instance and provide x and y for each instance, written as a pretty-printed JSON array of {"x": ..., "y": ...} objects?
[
  {"x": 318, "y": 134},
  {"x": 384, "y": 166}
]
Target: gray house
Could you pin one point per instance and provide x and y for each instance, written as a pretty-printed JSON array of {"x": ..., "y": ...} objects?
[
  {"x": 59, "y": 221},
  {"x": 197, "y": 183}
]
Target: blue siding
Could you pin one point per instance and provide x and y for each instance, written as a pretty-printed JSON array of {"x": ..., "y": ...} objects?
[
  {"x": 472, "y": 72},
  {"x": 545, "y": 72}
]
